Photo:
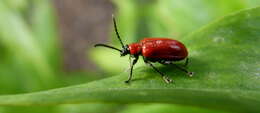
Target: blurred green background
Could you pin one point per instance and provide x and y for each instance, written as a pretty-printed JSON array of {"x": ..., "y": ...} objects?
[{"x": 32, "y": 53}]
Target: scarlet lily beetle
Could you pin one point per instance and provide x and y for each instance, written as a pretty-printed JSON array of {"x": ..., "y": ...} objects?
[{"x": 161, "y": 50}]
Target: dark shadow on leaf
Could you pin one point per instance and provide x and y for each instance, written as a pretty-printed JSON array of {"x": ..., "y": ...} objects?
[{"x": 195, "y": 65}]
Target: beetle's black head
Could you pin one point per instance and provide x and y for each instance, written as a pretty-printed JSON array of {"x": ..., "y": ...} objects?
[{"x": 125, "y": 51}]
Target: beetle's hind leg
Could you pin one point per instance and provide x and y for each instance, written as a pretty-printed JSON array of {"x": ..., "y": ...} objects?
[
  {"x": 165, "y": 78},
  {"x": 186, "y": 62},
  {"x": 184, "y": 70}
]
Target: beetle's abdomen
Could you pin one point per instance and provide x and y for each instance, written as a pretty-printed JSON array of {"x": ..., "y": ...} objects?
[{"x": 163, "y": 49}]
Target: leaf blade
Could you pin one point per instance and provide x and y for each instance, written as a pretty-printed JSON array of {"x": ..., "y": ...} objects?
[{"x": 224, "y": 56}]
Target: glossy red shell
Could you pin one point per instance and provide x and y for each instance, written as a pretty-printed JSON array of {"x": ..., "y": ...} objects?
[
  {"x": 135, "y": 48},
  {"x": 155, "y": 49}
]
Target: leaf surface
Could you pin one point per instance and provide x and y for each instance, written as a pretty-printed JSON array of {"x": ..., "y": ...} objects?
[{"x": 224, "y": 56}]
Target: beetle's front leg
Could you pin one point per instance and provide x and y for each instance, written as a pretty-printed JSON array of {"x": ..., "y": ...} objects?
[{"x": 131, "y": 69}]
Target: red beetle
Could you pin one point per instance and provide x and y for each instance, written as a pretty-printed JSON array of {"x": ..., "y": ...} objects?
[{"x": 162, "y": 50}]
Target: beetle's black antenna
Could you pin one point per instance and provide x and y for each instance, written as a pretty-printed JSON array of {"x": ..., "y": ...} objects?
[
  {"x": 111, "y": 47},
  {"x": 117, "y": 34}
]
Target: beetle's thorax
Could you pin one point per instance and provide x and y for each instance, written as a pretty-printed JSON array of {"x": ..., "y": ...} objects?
[{"x": 135, "y": 48}]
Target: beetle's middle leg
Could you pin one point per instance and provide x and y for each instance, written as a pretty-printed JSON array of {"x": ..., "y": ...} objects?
[{"x": 165, "y": 78}]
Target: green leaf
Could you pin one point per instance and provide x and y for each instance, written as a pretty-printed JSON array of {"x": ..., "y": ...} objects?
[
  {"x": 179, "y": 17},
  {"x": 165, "y": 108},
  {"x": 17, "y": 37},
  {"x": 44, "y": 27},
  {"x": 224, "y": 56}
]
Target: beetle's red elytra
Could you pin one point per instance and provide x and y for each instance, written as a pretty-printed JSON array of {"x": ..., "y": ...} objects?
[{"x": 161, "y": 50}]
